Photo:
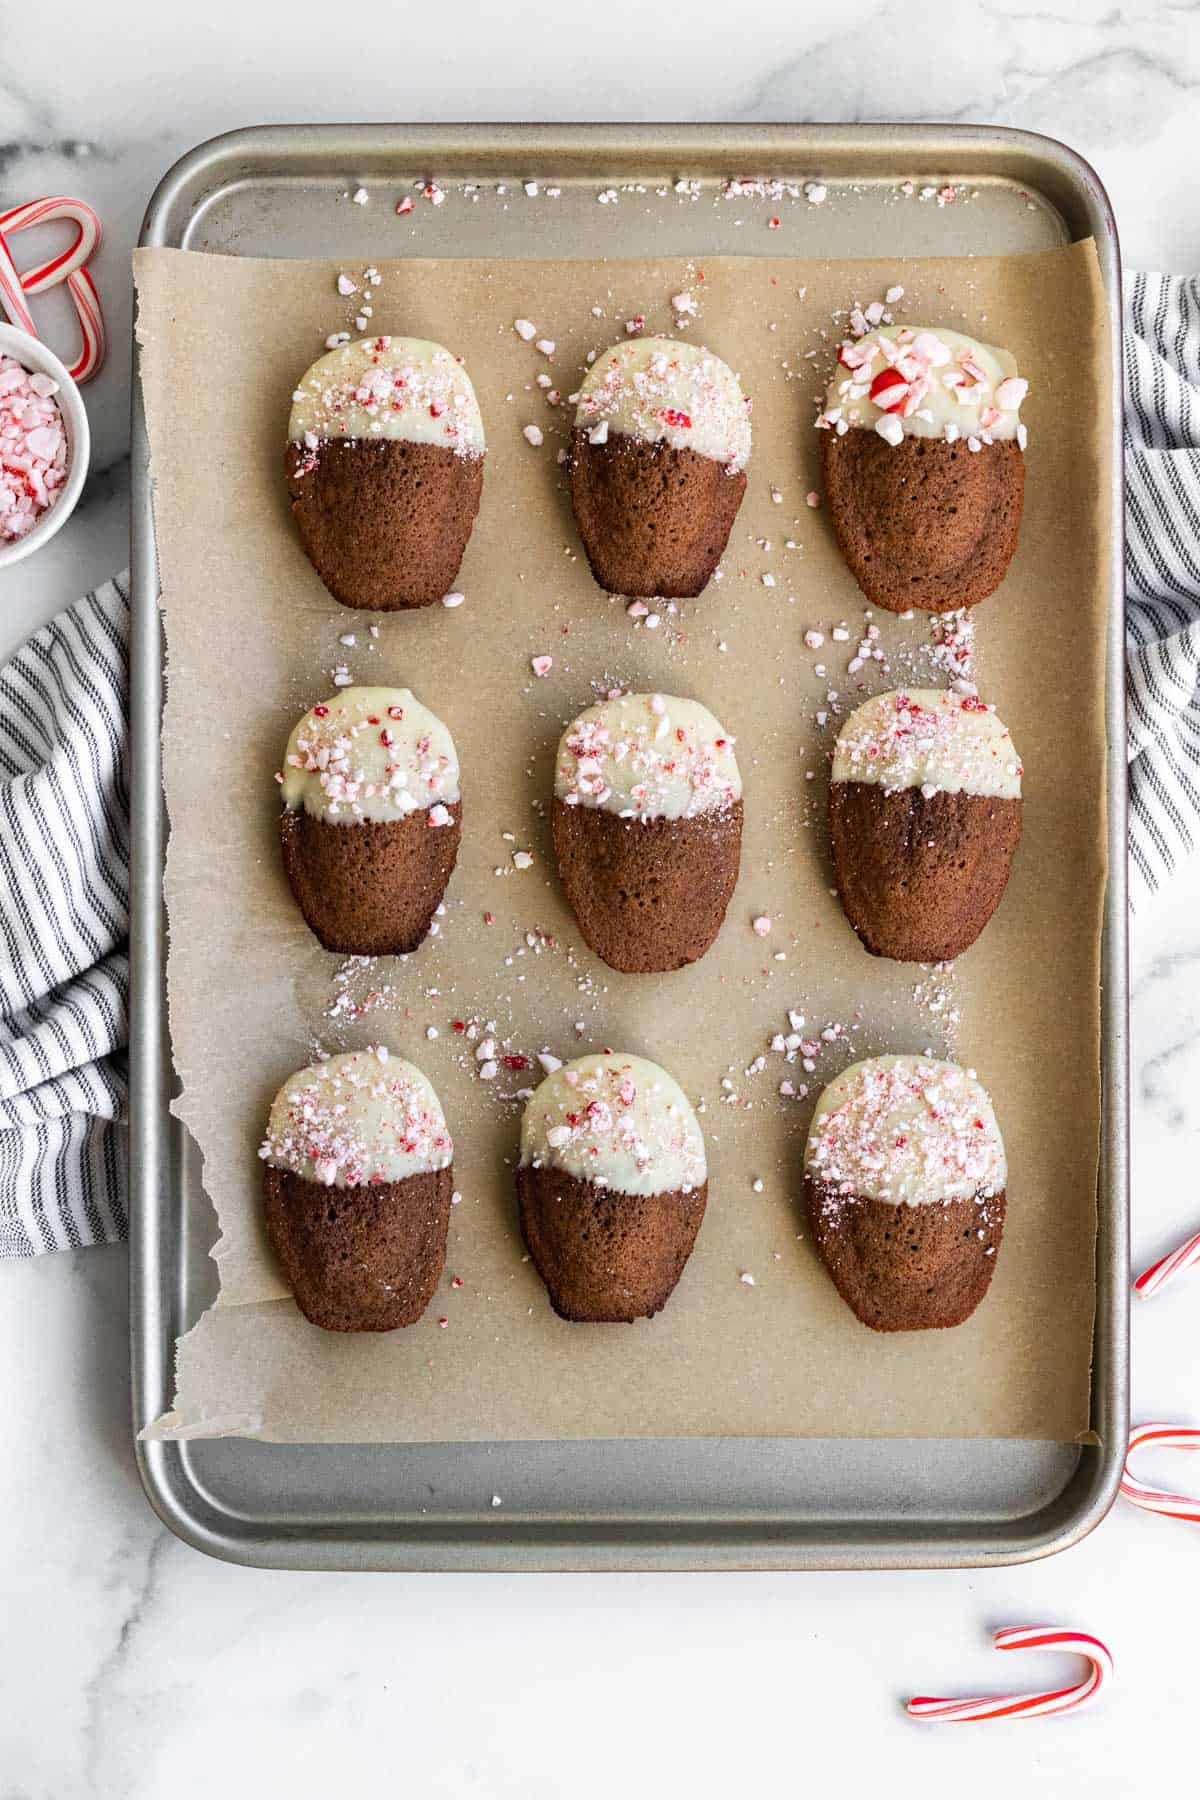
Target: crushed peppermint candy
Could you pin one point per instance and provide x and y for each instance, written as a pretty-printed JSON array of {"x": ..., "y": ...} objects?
[
  {"x": 357, "y": 1120},
  {"x": 759, "y": 187},
  {"x": 907, "y": 1130},
  {"x": 953, "y": 647},
  {"x": 33, "y": 448},
  {"x": 931, "y": 739},
  {"x": 659, "y": 389},
  {"x": 915, "y": 381},
  {"x": 386, "y": 387},
  {"x": 371, "y": 754},
  {"x": 648, "y": 756},
  {"x": 617, "y": 1121}
]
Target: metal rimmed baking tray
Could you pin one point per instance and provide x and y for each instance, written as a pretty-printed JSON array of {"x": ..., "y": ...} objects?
[{"x": 745, "y": 1503}]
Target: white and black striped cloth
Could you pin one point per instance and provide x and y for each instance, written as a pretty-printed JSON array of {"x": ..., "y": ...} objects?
[
  {"x": 64, "y": 850},
  {"x": 1162, "y": 572},
  {"x": 64, "y": 924}
]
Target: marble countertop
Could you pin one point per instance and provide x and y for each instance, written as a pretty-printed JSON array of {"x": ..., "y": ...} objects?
[{"x": 132, "y": 1666}]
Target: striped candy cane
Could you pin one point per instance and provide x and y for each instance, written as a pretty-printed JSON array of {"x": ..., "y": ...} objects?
[
  {"x": 1027, "y": 1706},
  {"x": 1174, "y": 1263},
  {"x": 1159, "y": 1500},
  {"x": 67, "y": 267}
]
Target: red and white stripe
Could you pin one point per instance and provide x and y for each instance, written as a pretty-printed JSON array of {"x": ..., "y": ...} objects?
[
  {"x": 1174, "y": 1263},
  {"x": 68, "y": 267},
  {"x": 1028, "y": 1706},
  {"x": 1161, "y": 1500}
]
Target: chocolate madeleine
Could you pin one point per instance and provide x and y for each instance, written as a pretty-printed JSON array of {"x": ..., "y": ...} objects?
[
  {"x": 372, "y": 819},
  {"x": 924, "y": 821},
  {"x": 923, "y": 461},
  {"x": 658, "y": 458},
  {"x": 358, "y": 1188},
  {"x": 612, "y": 1187},
  {"x": 384, "y": 468},
  {"x": 905, "y": 1187},
  {"x": 648, "y": 829}
]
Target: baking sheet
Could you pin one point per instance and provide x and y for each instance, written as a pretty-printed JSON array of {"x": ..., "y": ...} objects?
[{"x": 223, "y": 341}]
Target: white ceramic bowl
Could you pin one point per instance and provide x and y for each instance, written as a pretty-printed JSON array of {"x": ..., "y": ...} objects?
[{"x": 33, "y": 354}]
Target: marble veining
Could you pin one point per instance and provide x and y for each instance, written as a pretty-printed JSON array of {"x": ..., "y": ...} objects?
[{"x": 132, "y": 1667}]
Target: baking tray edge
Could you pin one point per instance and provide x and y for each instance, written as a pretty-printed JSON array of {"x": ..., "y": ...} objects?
[{"x": 156, "y": 1234}]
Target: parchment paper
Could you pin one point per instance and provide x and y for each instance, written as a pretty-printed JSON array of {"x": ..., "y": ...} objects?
[{"x": 755, "y": 1340}]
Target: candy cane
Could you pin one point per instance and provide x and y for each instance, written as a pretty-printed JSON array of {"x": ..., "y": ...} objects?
[
  {"x": 67, "y": 267},
  {"x": 1173, "y": 1263},
  {"x": 1159, "y": 1500},
  {"x": 1027, "y": 1706},
  {"x": 12, "y": 294}
]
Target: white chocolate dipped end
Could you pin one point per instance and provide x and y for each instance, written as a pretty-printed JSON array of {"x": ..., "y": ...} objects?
[
  {"x": 388, "y": 387},
  {"x": 922, "y": 381},
  {"x": 370, "y": 754},
  {"x": 366, "y": 1117},
  {"x": 618, "y": 1121},
  {"x": 932, "y": 739},
  {"x": 665, "y": 392},
  {"x": 648, "y": 756},
  {"x": 907, "y": 1130}
]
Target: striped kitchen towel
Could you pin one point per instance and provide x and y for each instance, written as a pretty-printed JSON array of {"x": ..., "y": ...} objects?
[
  {"x": 64, "y": 922},
  {"x": 1162, "y": 572},
  {"x": 64, "y": 823}
]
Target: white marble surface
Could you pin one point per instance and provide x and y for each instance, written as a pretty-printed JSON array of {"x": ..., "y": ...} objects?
[{"x": 131, "y": 1666}]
